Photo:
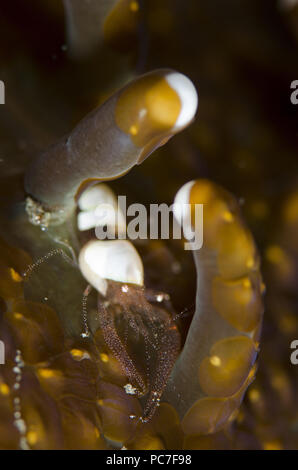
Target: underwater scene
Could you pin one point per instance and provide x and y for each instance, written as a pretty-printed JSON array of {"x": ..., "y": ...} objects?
[{"x": 148, "y": 225}]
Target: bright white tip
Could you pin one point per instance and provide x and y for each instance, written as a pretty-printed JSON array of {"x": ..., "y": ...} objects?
[
  {"x": 86, "y": 220},
  {"x": 94, "y": 195},
  {"x": 188, "y": 96},
  {"x": 99, "y": 208},
  {"x": 181, "y": 201},
  {"x": 104, "y": 215},
  {"x": 116, "y": 260},
  {"x": 182, "y": 209}
]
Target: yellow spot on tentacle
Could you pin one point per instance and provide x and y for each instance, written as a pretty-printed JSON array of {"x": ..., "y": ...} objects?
[
  {"x": 133, "y": 130},
  {"x": 32, "y": 438},
  {"x": 215, "y": 361},
  {"x": 247, "y": 283},
  {"x": 147, "y": 109},
  {"x": 275, "y": 254},
  {"x": 228, "y": 216},
  {"x": 279, "y": 257},
  {"x": 134, "y": 6},
  {"x": 104, "y": 357},
  {"x": 18, "y": 315},
  {"x": 4, "y": 389},
  {"x": 253, "y": 395},
  {"x": 15, "y": 276},
  {"x": 49, "y": 373},
  {"x": 79, "y": 354},
  {"x": 272, "y": 445},
  {"x": 250, "y": 262},
  {"x": 291, "y": 209},
  {"x": 120, "y": 28}
]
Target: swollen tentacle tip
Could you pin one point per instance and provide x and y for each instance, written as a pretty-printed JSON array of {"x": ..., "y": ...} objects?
[
  {"x": 108, "y": 142},
  {"x": 155, "y": 107},
  {"x": 182, "y": 197},
  {"x": 98, "y": 205},
  {"x": 95, "y": 195},
  {"x": 116, "y": 260},
  {"x": 181, "y": 202},
  {"x": 187, "y": 93},
  {"x": 186, "y": 214}
]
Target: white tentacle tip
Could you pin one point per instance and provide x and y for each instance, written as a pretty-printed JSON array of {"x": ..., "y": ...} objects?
[
  {"x": 116, "y": 260},
  {"x": 188, "y": 95},
  {"x": 182, "y": 201},
  {"x": 98, "y": 208}
]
